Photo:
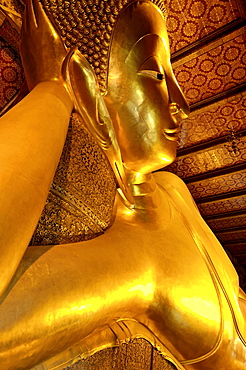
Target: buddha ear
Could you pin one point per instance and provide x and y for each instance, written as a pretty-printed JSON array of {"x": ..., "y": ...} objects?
[{"x": 82, "y": 86}]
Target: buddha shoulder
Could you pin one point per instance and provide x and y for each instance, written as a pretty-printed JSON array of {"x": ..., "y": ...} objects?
[{"x": 175, "y": 187}]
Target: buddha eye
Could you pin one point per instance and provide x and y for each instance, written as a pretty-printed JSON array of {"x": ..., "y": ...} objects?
[
  {"x": 158, "y": 75},
  {"x": 152, "y": 67}
]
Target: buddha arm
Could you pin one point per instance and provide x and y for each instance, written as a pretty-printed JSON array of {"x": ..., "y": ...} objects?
[
  {"x": 32, "y": 135},
  {"x": 63, "y": 293}
]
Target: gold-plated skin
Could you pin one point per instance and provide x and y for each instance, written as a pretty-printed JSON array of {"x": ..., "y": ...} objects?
[
  {"x": 88, "y": 102},
  {"x": 35, "y": 56},
  {"x": 75, "y": 73},
  {"x": 144, "y": 99},
  {"x": 158, "y": 269}
]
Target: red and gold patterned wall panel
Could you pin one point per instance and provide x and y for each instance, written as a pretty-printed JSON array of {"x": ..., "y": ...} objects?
[
  {"x": 11, "y": 71},
  {"x": 9, "y": 33},
  {"x": 218, "y": 69},
  {"x": 218, "y": 156},
  {"x": 223, "y": 206},
  {"x": 190, "y": 20},
  {"x": 224, "y": 223},
  {"x": 214, "y": 121},
  {"x": 218, "y": 185},
  {"x": 232, "y": 235}
]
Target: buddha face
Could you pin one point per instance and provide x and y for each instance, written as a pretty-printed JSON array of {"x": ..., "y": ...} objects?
[{"x": 143, "y": 97}]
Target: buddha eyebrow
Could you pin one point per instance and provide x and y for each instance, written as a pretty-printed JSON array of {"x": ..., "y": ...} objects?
[
  {"x": 143, "y": 40},
  {"x": 140, "y": 40}
]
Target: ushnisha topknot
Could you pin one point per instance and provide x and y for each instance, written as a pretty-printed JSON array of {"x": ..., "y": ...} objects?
[{"x": 88, "y": 24}]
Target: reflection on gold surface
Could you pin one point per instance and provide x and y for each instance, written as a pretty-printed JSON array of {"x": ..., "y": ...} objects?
[
  {"x": 203, "y": 308},
  {"x": 158, "y": 272}
]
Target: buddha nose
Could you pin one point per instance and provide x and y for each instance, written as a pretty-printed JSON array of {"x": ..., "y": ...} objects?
[{"x": 179, "y": 107}]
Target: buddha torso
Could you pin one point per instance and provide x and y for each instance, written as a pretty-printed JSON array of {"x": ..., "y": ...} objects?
[
  {"x": 158, "y": 268},
  {"x": 187, "y": 286}
]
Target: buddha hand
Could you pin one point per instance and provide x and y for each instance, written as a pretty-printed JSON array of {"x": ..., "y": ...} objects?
[{"x": 42, "y": 49}]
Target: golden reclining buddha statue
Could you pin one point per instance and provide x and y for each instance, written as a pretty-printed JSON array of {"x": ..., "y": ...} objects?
[{"x": 158, "y": 270}]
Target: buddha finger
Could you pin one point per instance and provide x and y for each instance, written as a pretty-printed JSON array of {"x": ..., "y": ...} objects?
[
  {"x": 40, "y": 15},
  {"x": 27, "y": 24},
  {"x": 30, "y": 18},
  {"x": 42, "y": 20},
  {"x": 24, "y": 22}
]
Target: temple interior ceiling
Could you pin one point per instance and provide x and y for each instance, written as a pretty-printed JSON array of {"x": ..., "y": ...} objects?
[{"x": 207, "y": 39}]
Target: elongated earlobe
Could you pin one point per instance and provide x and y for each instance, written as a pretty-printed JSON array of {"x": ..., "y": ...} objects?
[{"x": 88, "y": 102}]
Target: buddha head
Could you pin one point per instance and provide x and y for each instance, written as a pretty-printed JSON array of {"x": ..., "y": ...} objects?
[
  {"x": 126, "y": 43},
  {"x": 142, "y": 94}
]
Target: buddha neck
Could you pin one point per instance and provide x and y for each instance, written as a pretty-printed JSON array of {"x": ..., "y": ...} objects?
[{"x": 145, "y": 191}]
